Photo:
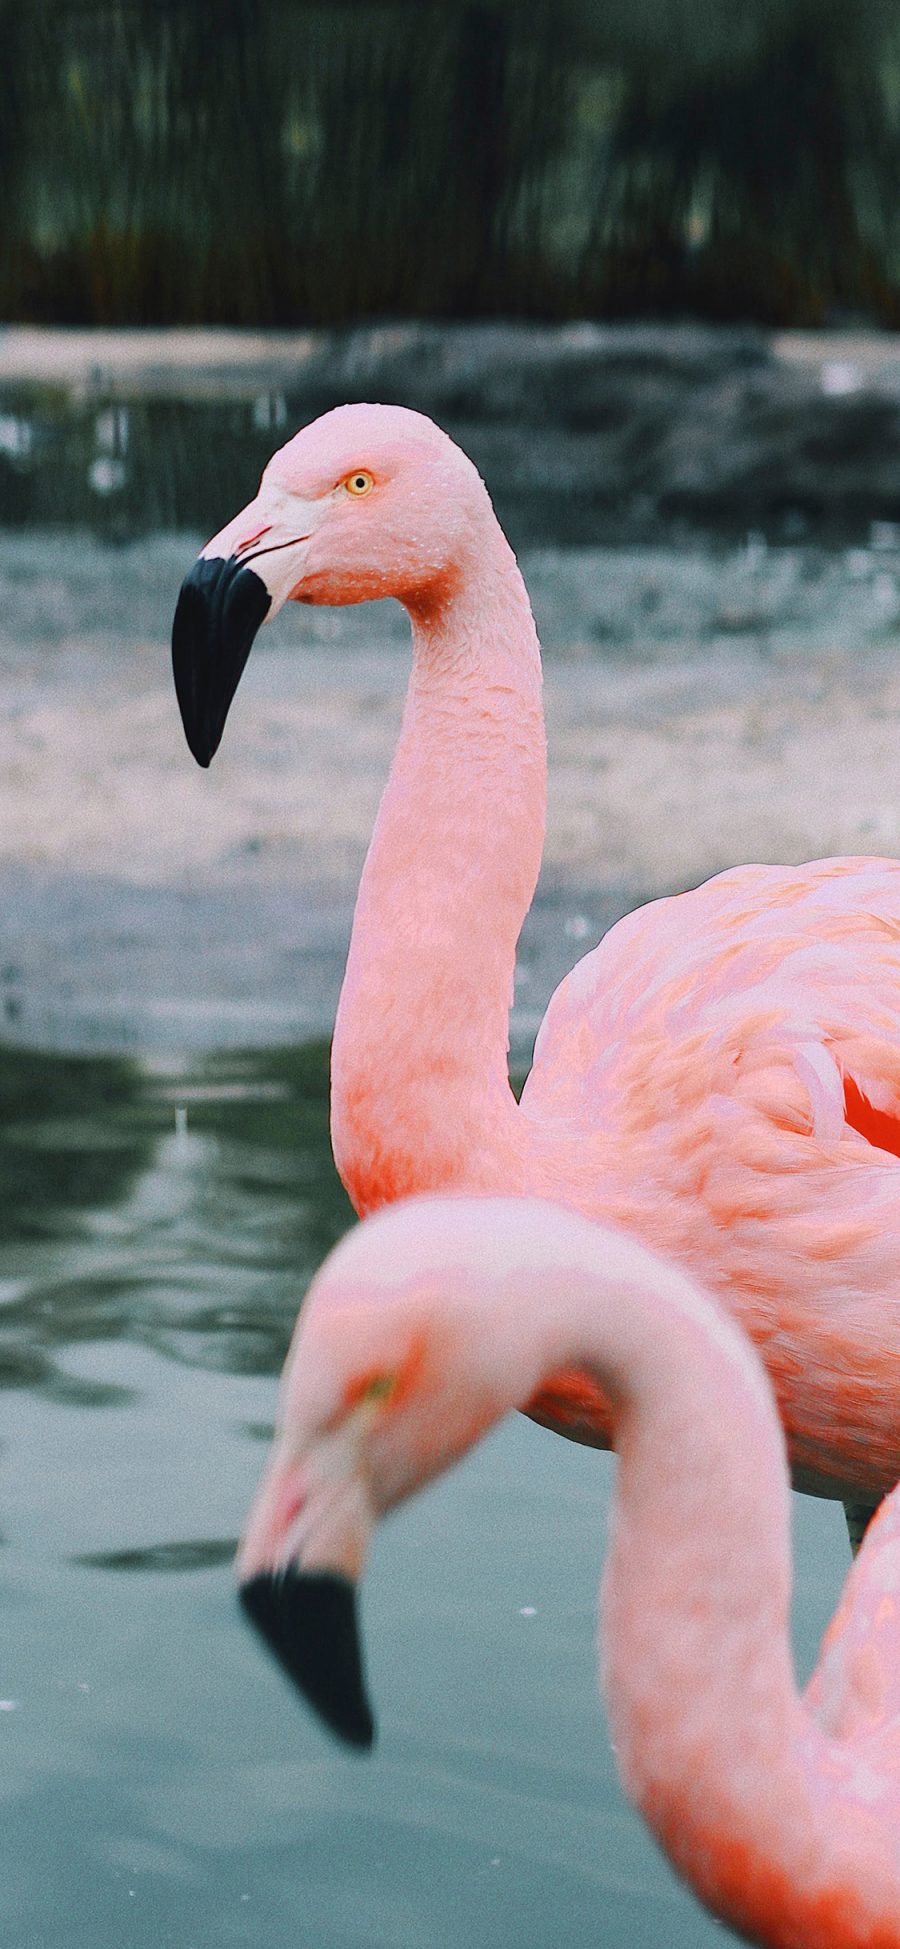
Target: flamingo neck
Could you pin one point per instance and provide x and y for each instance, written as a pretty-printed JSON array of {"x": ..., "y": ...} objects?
[
  {"x": 420, "y": 1086},
  {"x": 759, "y": 1809},
  {"x": 783, "y": 1827}
]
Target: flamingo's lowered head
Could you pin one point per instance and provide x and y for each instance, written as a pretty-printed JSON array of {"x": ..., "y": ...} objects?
[
  {"x": 367, "y": 501},
  {"x": 385, "y": 1386},
  {"x": 436, "y": 1317},
  {"x": 425, "y": 1326}
]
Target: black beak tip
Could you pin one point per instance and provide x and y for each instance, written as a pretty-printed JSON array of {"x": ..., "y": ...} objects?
[
  {"x": 309, "y": 1621},
  {"x": 190, "y": 668},
  {"x": 220, "y": 608}
]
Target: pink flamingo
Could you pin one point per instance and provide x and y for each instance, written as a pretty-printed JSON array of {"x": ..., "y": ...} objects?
[
  {"x": 721, "y": 1076},
  {"x": 431, "y": 1321}
]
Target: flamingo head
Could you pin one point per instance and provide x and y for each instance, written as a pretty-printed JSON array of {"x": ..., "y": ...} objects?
[
  {"x": 394, "y": 1372},
  {"x": 367, "y": 501}
]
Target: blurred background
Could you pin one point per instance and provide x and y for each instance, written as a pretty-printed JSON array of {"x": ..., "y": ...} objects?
[
  {"x": 280, "y": 162},
  {"x": 642, "y": 259}
]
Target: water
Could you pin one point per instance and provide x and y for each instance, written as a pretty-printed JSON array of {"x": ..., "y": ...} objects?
[{"x": 159, "y": 1783}]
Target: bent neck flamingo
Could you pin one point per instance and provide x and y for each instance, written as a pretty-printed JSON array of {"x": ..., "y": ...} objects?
[
  {"x": 426, "y": 1325},
  {"x": 721, "y": 1076}
]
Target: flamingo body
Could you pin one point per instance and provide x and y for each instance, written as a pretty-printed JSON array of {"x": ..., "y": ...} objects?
[
  {"x": 434, "y": 1319},
  {"x": 721, "y": 1076}
]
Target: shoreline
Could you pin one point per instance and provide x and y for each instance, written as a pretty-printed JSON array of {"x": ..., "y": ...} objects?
[{"x": 184, "y": 362}]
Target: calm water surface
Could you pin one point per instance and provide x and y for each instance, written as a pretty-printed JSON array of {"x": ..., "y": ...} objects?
[{"x": 159, "y": 1784}]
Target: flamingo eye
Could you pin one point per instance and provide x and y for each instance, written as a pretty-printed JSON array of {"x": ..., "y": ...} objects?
[
  {"x": 359, "y": 482},
  {"x": 381, "y": 1387},
  {"x": 378, "y": 1387}
]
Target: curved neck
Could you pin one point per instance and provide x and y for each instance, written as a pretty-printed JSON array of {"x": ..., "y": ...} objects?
[
  {"x": 755, "y": 1805},
  {"x": 695, "y": 1651},
  {"x": 420, "y": 1088},
  {"x": 774, "y": 1822}
]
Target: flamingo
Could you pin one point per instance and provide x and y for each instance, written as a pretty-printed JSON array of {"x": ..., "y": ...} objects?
[
  {"x": 720, "y": 1077},
  {"x": 435, "y": 1318}
]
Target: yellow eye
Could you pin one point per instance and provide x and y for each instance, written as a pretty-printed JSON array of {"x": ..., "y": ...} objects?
[{"x": 359, "y": 482}]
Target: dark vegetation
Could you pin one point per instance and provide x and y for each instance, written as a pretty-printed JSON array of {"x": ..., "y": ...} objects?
[{"x": 278, "y": 162}]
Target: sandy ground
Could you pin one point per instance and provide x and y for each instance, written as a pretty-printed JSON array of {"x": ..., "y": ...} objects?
[{"x": 701, "y": 710}]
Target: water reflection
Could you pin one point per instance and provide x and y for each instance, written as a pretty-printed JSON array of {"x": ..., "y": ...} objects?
[
  {"x": 126, "y": 461},
  {"x": 194, "y": 1555},
  {"x": 183, "y": 1211},
  {"x": 140, "y": 468},
  {"x": 126, "y": 469}
]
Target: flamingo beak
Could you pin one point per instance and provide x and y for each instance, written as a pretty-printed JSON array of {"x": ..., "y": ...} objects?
[
  {"x": 299, "y": 1565},
  {"x": 240, "y": 581},
  {"x": 220, "y": 609},
  {"x": 309, "y": 1620}
]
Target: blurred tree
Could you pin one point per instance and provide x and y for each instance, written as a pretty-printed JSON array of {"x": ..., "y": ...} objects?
[
  {"x": 284, "y": 161},
  {"x": 743, "y": 196}
]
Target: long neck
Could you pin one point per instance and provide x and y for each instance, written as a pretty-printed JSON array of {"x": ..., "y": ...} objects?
[
  {"x": 420, "y": 1088},
  {"x": 695, "y": 1653},
  {"x": 763, "y": 1813}
]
